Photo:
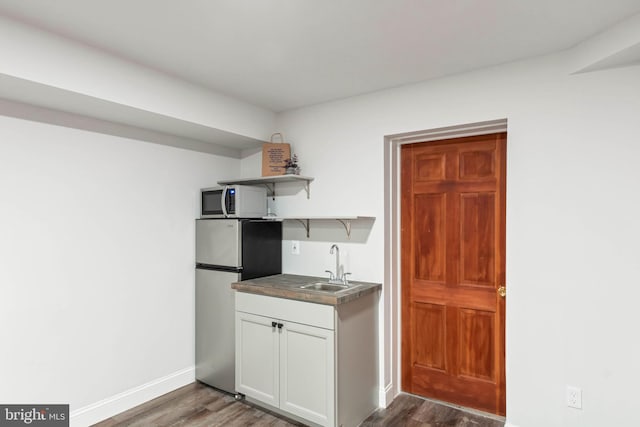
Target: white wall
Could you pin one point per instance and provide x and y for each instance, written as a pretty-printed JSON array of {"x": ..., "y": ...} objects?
[
  {"x": 572, "y": 210},
  {"x": 60, "y": 63},
  {"x": 97, "y": 294},
  {"x": 96, "y": 263}
]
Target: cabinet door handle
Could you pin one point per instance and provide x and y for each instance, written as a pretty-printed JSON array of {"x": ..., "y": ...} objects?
[
  {"x": 274, "y": 324},
  {"x": 280, "y": 325}
]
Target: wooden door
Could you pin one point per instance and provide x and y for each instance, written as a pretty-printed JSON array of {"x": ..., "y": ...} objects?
[{"x": 453, "y": 263}]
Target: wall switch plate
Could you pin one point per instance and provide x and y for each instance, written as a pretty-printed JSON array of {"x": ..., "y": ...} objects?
[
  {"x": 574, "y": 397},
  {"x": 295, "y": 247}
]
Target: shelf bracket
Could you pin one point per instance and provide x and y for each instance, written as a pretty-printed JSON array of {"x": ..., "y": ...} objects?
[
  {"x": 271, "y": 189},
  {"x": 347, "y": 226},
  {"x": 307, "y": 188},
  {"x": 305, "y": 224}
]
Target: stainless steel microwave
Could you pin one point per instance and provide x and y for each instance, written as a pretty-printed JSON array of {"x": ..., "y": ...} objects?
[{"x": 233, "y": 201}]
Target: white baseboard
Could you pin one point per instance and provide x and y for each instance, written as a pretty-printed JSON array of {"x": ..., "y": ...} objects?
[
  {"x": 386, "y": 395},
  {"x": 128, "y": 399},
  {"x": 508, "y": 424}
]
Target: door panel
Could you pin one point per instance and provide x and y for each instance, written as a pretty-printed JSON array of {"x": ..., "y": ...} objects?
[
  {"x": 477, "y": 164},
  {"x": 430, "y": 250},
  {"x": 476, "y": 343},
  {"x": 257, "y": 343},
  {"x": 429, "y": 335},
  {"x": 307, "y": 372},
  {"x": 453, "y": 245},
  {"x": 430, "y": 167},
  {"x": 477, "y": 237}
]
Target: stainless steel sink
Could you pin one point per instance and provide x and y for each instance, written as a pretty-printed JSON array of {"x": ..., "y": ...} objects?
[{"x": 325, "y": 287}]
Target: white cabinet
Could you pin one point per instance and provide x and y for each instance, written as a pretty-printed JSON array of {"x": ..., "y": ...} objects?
[
  {"x": 306, "y": 372},
  {"x": 312, "y": 362},
  {"x": 285, "y": 364},
  {"x": 258, "y": 351}
]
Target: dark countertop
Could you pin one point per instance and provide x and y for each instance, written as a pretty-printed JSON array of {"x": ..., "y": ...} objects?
[{"x": 288, "y": 286}]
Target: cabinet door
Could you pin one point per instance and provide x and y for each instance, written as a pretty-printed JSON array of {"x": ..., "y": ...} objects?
[
  {"x": 307, "y": 372},
  {"x": 257, "y": 358}
]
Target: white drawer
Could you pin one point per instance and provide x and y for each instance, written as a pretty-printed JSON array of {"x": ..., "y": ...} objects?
[{"x": 307, "y": 313}]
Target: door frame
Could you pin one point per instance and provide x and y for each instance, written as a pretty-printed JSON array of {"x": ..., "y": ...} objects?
[{"x": 390, "y": 331}]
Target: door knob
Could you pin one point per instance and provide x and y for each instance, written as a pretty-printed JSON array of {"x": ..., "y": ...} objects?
[{"x": 502, "y": 291}]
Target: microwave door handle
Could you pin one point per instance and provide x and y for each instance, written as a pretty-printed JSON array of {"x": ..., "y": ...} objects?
[{"x": 224, "y": 201}]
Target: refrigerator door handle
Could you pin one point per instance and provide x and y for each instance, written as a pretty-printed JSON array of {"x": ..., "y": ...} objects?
[
  {"x": 223, "y": 201},
  {"x": 225, "y": 268}
]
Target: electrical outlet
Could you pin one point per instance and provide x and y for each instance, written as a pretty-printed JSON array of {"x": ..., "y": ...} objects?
[
  {"x": 295, "y": 247},
  {"x": 574, "y": 397}
]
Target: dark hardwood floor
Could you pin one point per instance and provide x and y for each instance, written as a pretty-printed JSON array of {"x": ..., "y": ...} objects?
[
  {"x": 198, "y": 405},
  {"x": 409, "y": 410}
]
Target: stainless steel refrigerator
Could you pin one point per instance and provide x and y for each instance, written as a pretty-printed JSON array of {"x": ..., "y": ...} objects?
[{"x": 227, "y": 250}]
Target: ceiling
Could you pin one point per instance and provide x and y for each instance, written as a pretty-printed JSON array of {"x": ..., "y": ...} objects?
[{"x": 283, "y": 54}]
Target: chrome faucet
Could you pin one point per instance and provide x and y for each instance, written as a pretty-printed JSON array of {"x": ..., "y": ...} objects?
[
  {"x": 337, "y": 278},
  {"x": 337, "y": 250}
]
